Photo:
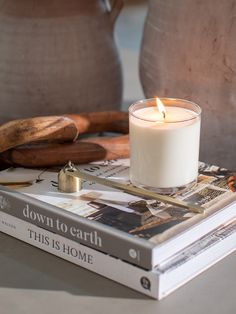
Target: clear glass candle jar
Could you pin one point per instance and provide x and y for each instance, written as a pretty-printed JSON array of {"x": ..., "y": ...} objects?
[{"x": 164, "y": 147}]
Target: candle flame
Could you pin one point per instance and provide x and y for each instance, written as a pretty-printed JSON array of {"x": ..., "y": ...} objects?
[{"x": 161, "y": 107}]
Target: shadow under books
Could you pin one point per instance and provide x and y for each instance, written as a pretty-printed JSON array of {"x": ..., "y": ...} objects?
[{"x": 25, "y": 267}]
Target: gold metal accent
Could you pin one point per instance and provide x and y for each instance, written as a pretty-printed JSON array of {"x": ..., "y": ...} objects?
[
  {"x": 17, "y": 184},
  {"x": 82, "y": 176},
  {"x": 68, "y": 183}
]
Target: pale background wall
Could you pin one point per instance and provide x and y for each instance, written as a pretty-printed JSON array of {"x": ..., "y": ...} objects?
[{"x": 128, "y": 33}]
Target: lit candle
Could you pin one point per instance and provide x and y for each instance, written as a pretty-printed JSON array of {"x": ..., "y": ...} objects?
[{"x": 164, "y": 143}]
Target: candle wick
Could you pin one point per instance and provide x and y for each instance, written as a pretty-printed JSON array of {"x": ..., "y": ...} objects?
[{"x": 164, "y": 114}]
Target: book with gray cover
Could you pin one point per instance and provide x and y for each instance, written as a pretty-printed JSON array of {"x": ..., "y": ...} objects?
[
  {"x": 140, "y": 231},
  {"x": 157, "y": 283}
]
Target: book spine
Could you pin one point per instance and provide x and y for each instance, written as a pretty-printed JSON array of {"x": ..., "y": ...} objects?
[
  {"x": 157, "y": 284},
  {"x": 126, "y": 274},
  {"x": 90, "y": 233}
]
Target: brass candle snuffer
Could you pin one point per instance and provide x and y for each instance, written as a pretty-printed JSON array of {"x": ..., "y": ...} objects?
[{"x": 71, "y": 178}]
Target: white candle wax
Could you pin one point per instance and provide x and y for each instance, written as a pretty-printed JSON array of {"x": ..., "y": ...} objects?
[{"x": 164, "y": 152}]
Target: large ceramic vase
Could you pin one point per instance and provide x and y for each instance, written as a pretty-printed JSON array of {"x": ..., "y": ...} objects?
[
  {"x": 189, "y": 51},
  {"x": 58, "y": 56}
]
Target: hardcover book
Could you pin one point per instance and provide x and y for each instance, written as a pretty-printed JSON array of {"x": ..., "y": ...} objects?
[
  {"x": 140, "y": 231},
  {"x": 156, "y": 283}
]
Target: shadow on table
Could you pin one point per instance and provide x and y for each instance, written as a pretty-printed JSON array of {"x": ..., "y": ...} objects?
[{"x": 25, "y": 267}]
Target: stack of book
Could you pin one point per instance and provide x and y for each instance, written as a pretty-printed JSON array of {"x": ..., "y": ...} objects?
[{"x": 147, "y": 245}]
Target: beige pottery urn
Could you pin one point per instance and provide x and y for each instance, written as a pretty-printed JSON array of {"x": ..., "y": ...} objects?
[
  {"x": 189, "y": 51},
  {"x": 58, "y": 56}
]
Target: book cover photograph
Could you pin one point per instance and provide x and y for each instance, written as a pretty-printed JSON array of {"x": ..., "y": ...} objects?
[{"x": 147, "y": 219}]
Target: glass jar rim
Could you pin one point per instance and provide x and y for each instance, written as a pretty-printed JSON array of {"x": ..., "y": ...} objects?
[{"x": 197, "y": 109}]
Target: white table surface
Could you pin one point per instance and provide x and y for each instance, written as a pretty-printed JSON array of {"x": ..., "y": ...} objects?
[{"x": 33, "y": 281}]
